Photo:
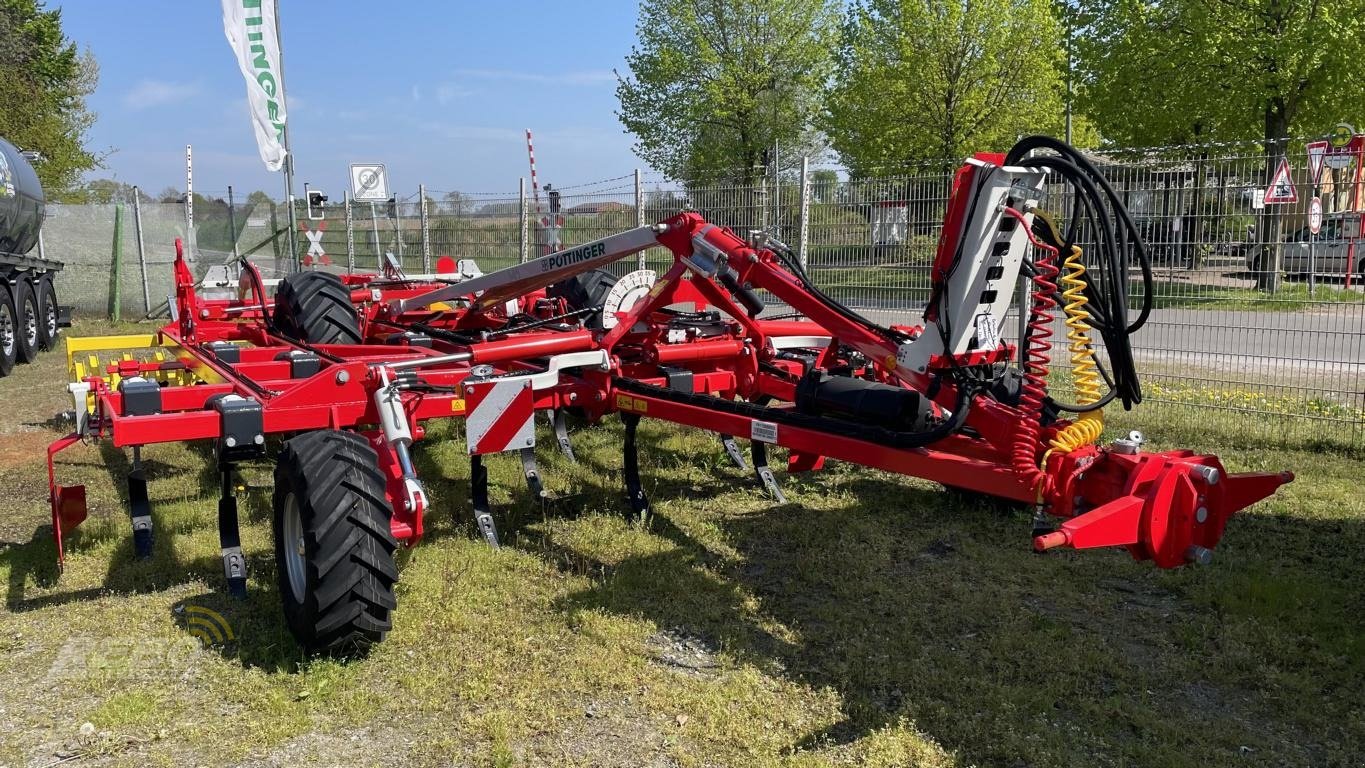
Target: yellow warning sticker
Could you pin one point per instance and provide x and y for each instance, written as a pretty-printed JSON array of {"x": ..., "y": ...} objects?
[
  {"x": 457, "y": 405},
  {"x": 628, "y": 403}
]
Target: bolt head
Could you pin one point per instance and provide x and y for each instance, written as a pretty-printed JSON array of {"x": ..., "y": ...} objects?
[
  {"x": 230, "y": 441},
  {"x": 1201, "y": 515},
  {"x": 343, "y": 377},
  {"x": 259, "y": 440},
  {"x": 1199, "y": 555},
  {"x": 573, "y": 397}
]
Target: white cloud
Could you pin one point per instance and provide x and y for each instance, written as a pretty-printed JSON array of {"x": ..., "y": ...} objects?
[
  {"x": 446, "y": 93},
  {"x": 586, "y": 77},
  {"x": 153, "y": 93}
]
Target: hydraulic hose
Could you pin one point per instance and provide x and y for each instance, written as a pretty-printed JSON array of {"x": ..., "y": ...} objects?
[{"x": 1088, "y": 426}]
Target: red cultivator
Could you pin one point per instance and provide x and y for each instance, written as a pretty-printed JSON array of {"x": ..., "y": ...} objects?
[{"x": 348, "y": 369}]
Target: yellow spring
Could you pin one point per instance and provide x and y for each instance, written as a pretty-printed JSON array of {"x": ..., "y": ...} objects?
[{"x": 1085, "y": 377}]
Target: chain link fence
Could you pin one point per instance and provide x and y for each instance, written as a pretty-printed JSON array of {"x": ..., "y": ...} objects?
[{"x": 1256, "y": 322}]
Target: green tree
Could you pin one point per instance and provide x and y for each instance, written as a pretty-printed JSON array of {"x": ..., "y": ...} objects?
[
  {"x": 926, "y": 80},
  {"x": 1192, "y": 70},
  {"x": 824, "y": 185},
  {"x": 101, "y": 191},
  {"x": 1196, "y": 70},
  {"x": 44, "y": 80},
  {"x": 457, "y": 203},
  {"x": 715, "y": 85}
]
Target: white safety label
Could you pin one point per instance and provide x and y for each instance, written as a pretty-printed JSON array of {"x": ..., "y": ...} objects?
[
  {"x": 763, "y": 431},
  {"x": 987, "y": 332}
]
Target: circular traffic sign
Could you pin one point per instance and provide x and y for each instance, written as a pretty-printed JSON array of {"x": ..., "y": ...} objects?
[
  {"x": 1341, "y": 135},
  {"x": 1315, "y": 215}
]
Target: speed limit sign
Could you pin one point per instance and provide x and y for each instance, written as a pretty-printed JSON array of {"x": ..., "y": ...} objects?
[{"x": 1315, "y": 215}]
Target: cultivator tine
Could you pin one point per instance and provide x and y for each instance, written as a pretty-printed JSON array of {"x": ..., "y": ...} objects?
[
  {"x": 478, "y": 498},
  {"x": 139, "y": 507},
  {"x": 765, "y": 474},
  {"x": 230, "y": 538},
  {"x": 635, "y": 492},
  {"x": 532, "y": 473},
  {"x": 558, "y": 421},
  {"x": 732, "y": 450}
]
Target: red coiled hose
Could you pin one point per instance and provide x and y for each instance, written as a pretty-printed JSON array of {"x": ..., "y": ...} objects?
[{"x": 1024, "y": 451}]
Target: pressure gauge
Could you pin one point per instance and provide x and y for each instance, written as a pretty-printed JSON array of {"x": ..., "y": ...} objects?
[{"x": 625, "y": 293}]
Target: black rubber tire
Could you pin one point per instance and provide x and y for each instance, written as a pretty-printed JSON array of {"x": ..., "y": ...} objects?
[
  {"x": 9, "y": 331},
  {"x": 316, "y": 307},
  {"x": 348, "y": 569},
  {"x": 48, "y": 330},
  {"x": 26, "y": 318},
  {"x": 586, "y": 290}
]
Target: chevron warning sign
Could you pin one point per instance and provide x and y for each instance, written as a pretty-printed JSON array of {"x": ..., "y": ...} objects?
[{"x": 500, "y": 415}]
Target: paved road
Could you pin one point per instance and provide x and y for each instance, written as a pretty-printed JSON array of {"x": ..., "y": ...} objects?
[{"x": 1317, "y": 348}]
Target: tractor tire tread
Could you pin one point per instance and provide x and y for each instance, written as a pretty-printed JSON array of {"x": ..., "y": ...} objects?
[
  {"x": 351, "y": 569},
  {"x": 315, "y": 307}
]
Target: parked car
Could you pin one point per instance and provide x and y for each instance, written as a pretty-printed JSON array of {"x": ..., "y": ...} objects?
[{"x": 1325, "y": 254}]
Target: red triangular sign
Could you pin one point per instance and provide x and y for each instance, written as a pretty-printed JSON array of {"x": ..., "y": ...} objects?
[
  {"x": 1281, "y": 188},
  {"x": 1317, "y": 151}
]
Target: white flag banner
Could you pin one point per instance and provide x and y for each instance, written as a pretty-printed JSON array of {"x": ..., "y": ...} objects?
[{"x": 250, "y": 29}]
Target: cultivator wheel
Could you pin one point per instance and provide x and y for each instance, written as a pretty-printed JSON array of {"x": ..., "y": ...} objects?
[
  {"x": 586, "y": 290},
  {"x": 26, "y": 315},
  {"x": 9, "y": 331},
  {"x": 49, "y": 326},
  {"x": 316, "y": 307},
  {"x": 333, "y": 543}
]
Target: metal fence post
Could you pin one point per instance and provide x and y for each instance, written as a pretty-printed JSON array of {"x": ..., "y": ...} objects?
[
  {"x": 232, "y": 222},
  {"x": 141, "y": 250},
  {"x": 639, "y": 211},
  {"x": 804, "y": 235},
  {"x": 374, "y": 226},
  {"x": 398, "y": 228},
  {"x": 426, "y": 230},
  {"x": 116, "y": 285},
  {"x": 522, "y": 218},
  {"x": 350, "y": 231}
]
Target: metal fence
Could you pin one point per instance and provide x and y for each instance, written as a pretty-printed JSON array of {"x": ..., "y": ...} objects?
[{"x": 1256, "y": 325}]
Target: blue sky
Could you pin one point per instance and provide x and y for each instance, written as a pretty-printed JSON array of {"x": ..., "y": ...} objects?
[{"x": 439, "y": 91}]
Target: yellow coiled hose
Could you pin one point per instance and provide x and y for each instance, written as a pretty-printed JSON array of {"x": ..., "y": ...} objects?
[{"x": 1085, "y": 377}]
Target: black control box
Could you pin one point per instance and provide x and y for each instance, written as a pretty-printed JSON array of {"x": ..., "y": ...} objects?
[
  {"x": 241, "y": 428},
  {"x": 141, "y": 397}
]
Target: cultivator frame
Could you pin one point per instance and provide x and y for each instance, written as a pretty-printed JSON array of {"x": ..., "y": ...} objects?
[{"x": 374, "y": 357}]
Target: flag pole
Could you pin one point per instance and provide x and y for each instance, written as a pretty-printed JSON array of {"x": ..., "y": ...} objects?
[{"x": 288, "y": 156}]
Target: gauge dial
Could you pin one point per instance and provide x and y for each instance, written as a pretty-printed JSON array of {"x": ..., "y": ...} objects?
[{"x": 622, "y": 296}]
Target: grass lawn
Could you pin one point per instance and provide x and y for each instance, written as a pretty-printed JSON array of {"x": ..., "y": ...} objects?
[{"x": 873, "y": 620}]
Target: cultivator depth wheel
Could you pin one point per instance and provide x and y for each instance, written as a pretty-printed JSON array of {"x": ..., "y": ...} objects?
[
  {"x": 333, "y": 544},
  {"x": 316, "y": 307}
]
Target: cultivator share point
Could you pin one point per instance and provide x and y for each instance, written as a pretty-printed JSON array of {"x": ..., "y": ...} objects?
[{"x": 347, "y": 370}]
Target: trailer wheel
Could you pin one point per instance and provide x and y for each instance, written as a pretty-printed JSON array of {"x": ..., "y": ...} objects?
[
  {"x": 26, "y": 315},
  {"x": 48, "y": 330},
  {"x": 333, "y": 545},
  {"x": 9, "y": 331},
  {"x": 316, "y": 307}
]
